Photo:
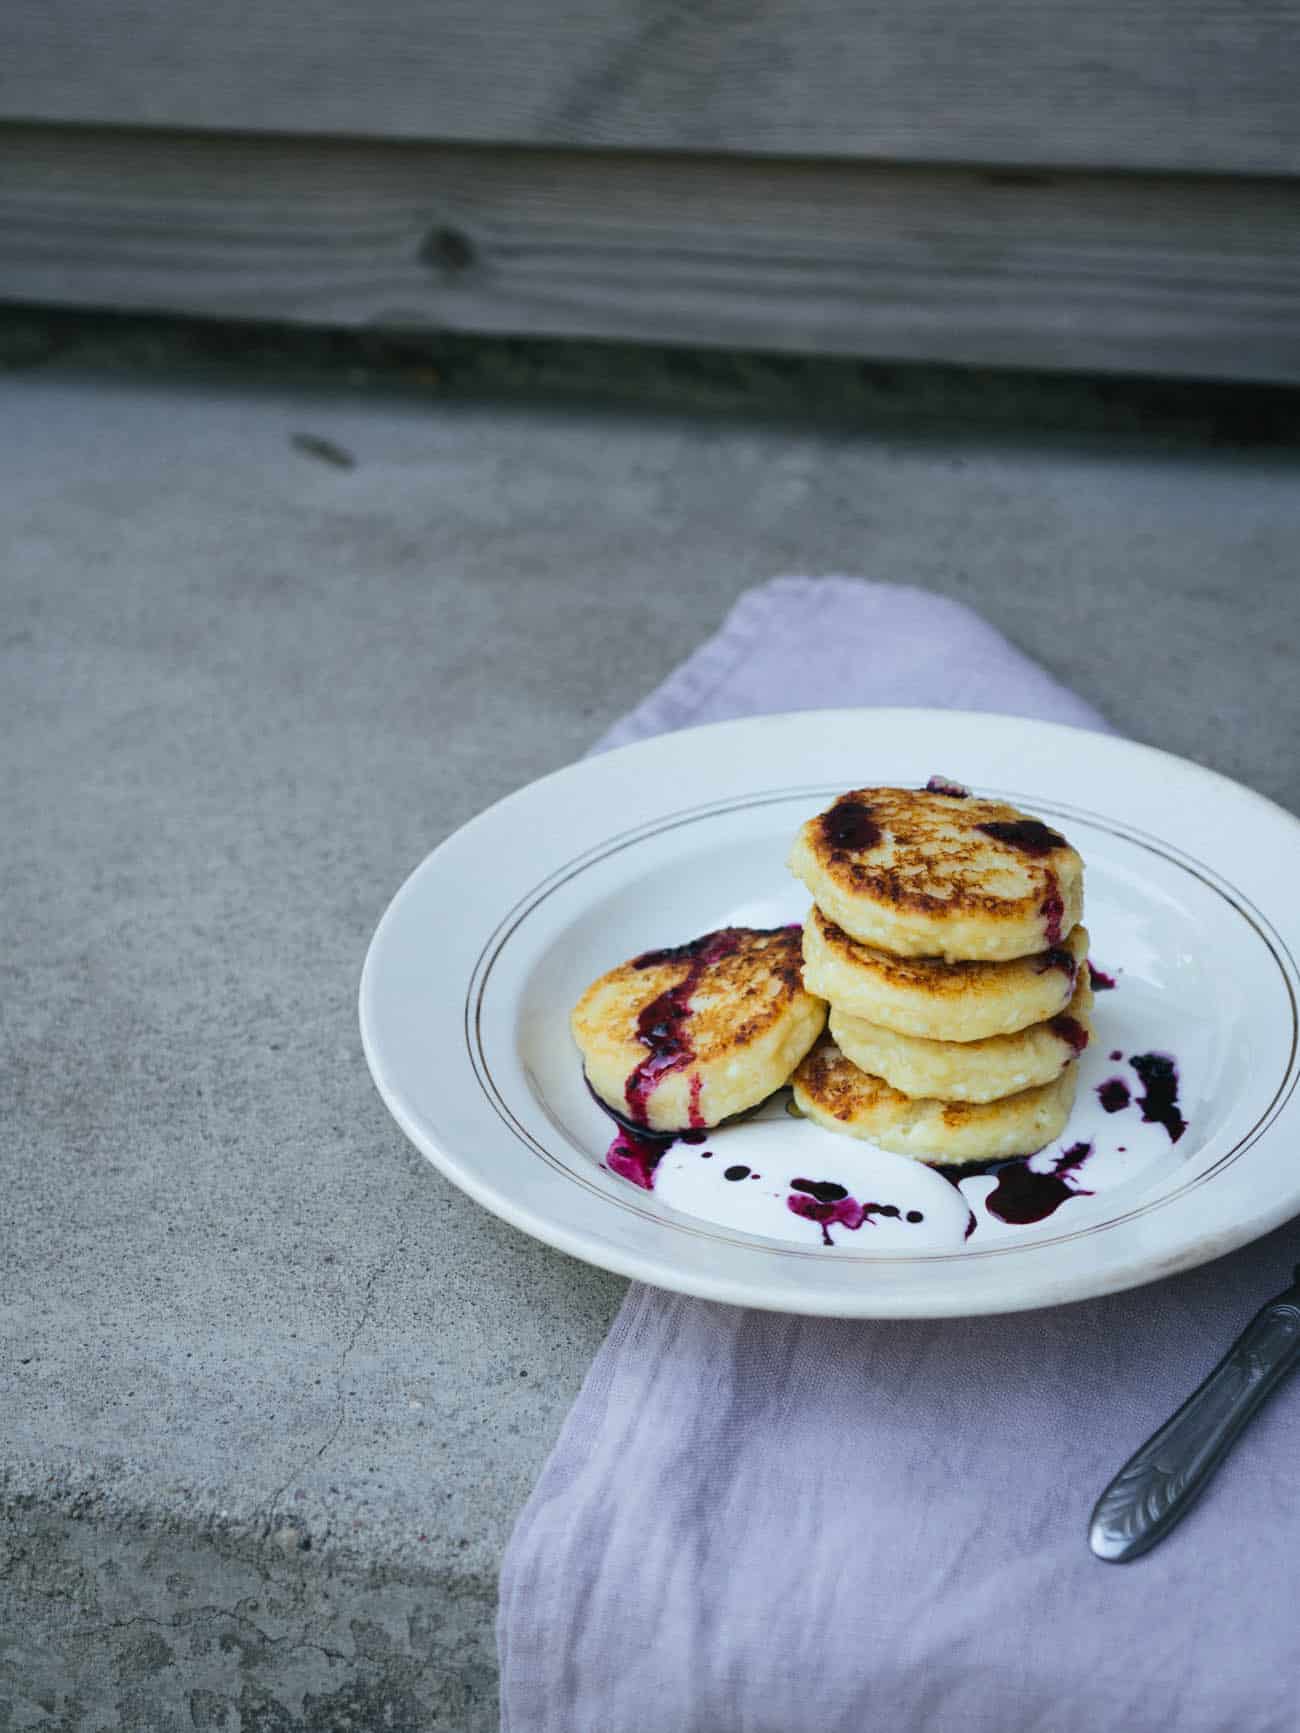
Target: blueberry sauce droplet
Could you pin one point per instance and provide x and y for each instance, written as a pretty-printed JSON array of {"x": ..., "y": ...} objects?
[
  {"x": 944, "y": 785},
  {"x": 1071, "y": 1031},
  {"x": 1113, "y": 1094},
  {"x": 849, "y": 825},
  {"x": 694, "y": 1137},
  {"x": 843, "y": 1211},
  {"x": 1101, "y": 981},
  {"x": 706, "y": 1155},
  {"x": 1115, "y": 1054},
  {"x": 1022, "y": 1195},
  {"x": 1159, "y": 1103},
  {"x": 824, "y": 1190},
  {"x": 736, "y": 1172},
  {"x": 829, "y": 1204},
  {"x": 1029, "y": 834},
  {"x": 635, "y": 1156},
  {"x": 1057, "y": 958}
]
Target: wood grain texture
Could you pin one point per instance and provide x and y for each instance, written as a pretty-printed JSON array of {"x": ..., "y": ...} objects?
[
  {"x": 1160, "y": 275},
  {"x": 1190, "y": 85}
]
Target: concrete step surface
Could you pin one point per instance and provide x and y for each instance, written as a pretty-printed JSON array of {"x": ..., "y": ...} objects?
[{"x": 271, "y": 1390}]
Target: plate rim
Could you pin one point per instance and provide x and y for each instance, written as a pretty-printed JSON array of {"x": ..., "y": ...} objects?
[{"x": 657, "y": 1267}]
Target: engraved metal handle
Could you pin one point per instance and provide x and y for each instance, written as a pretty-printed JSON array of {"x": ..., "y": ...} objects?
[{"x": 1156, "y": 1487}]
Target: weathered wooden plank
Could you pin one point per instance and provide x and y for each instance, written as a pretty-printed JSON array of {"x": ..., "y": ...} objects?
[
  {"x": 1160, "y": 275},
  {"x": 1192, "y": 85}
]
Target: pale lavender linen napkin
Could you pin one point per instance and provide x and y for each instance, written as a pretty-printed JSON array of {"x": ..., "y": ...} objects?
[{"x": 763, "y": 1524}]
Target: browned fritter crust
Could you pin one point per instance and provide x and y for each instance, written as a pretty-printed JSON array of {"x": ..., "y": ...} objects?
[{"x": 928, "y": 869}]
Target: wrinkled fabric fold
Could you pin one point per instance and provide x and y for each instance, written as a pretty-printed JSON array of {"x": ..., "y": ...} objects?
[{"x": 754, "y": 1523}]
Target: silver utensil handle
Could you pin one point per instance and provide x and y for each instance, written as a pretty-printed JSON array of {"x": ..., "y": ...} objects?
[{"x": 1156, "y": 1487}]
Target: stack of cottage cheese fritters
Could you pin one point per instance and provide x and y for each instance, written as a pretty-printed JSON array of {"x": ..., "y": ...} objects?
[{"x": 945, "y": 936}]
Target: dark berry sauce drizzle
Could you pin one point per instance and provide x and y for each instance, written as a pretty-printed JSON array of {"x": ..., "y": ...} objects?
[
  {"x": 621, "y": 1119},
  {"x": 829, "y": 1205},
  {"x": 1029, "y": 834},
  {"x": 635, "y": 1156},
  {"x": 702, "y": 951},
  {"x": 1021, "y": 1195},
  {"x": 1058, "y": 958},
  {"x": 1113, "y": 1093},
  {"x": 849, "y": 825},
  {"x": 1159, "y": 1102},
  {"x": 693, "y": 1105},
  {"x": 1036, "y": 838},
  {"x": 941, "y": 785},
  {"x": 1071, "y": 1031},
  {"x": 1101, "y": 981},
  {"x": 662, "y": 1026}
]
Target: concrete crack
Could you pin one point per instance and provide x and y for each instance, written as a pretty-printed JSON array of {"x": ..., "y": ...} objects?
[
  {"x": 367, "y": 1303},
  {"x": 192, "y": 1615}
]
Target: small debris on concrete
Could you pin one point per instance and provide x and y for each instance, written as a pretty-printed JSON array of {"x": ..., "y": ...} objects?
[{"x": 314, "y": 445}]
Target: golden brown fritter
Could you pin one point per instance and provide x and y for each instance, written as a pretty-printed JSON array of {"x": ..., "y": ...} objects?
[
  {"x": 831, "y": 1090},
  {"x": 692, "y": 1035},
  {"x": 940, "y": 875}
]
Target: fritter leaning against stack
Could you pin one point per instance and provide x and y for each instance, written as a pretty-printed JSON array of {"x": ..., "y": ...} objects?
[
  {"x": 681, "y": 1039},
  {"x": 945, "y": 935}
]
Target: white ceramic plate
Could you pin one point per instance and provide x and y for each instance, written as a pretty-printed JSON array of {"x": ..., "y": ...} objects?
[{"x": 1193, "y": 903}]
